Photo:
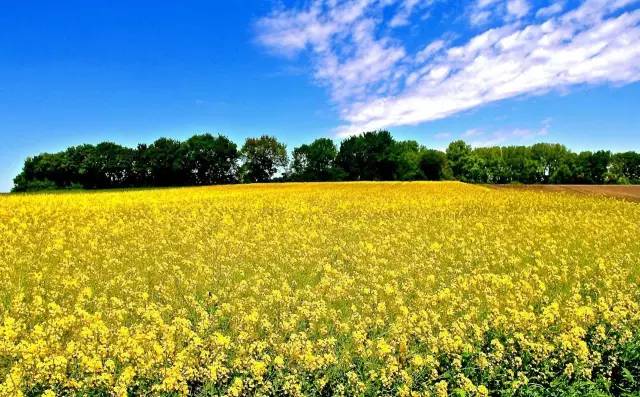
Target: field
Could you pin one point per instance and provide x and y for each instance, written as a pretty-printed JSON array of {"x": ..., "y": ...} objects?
[
  {"x": 408, "y": 289},
  {"x": 625, "y": 192}
]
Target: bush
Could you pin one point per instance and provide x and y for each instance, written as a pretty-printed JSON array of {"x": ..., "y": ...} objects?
[{"x": 33, "y": 186}]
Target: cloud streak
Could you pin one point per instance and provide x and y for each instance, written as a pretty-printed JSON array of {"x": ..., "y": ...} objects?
[
  {"x": 377, "y": 83},
  {"x": 481, "y": 138}
]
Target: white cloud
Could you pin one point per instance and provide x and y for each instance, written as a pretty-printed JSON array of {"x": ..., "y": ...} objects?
[
  {"x": 430, "y": 50},
  {"x": 377, "y": 83},
  {"x": 481, "y": 12},
  {"x": 479, "y": 17},
  {"x": 550, "y": 10},
  {"x": 406, "y": 8},
  {"x": 341, "y": 36},
  {"x": 483, "y": 138},
  {"x": 518, "y": 8},
  {"x": 442, "y": 135},
  {"x": 471, "y": 133},
  {"x": 500, "y": 138}
]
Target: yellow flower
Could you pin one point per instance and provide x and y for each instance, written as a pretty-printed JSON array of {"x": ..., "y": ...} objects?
[
  {"x": 258, "y": 369},
  {"x": 482, "y": 391},
  {"x": 417, "y": 361},
  {"x": 441, "y": 389},
  {"x": 285, "y": 288}
]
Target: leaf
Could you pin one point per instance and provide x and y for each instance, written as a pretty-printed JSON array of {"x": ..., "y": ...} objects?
[{"x": 628, "y": 376}]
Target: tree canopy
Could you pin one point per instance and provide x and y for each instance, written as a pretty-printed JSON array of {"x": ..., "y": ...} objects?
[
  {"x": 262, "y": 157},
  {"x": 316, "y": 162},
  {"x": 206, "y": 159}
]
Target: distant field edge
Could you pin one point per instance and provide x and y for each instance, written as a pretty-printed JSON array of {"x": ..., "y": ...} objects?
[{"x": 624, "y": 192}]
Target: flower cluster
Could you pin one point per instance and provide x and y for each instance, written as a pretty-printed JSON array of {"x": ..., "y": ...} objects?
[{"x": 408, "y": 289}]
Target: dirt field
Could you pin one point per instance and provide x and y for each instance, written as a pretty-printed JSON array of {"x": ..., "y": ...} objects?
[{"x": 626, "y": 192}]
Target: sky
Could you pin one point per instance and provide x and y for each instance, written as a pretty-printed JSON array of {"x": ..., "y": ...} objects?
[{"x": 491, "y": 72}]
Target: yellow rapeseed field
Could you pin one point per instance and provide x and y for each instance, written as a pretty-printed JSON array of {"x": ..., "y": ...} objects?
[{"x": 403, "y": 289}]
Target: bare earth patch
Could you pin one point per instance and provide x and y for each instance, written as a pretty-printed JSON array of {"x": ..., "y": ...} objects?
[{"x": 626, "y": 192}]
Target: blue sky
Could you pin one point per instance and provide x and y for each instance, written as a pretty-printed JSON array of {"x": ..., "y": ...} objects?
[{"x": 487, "y": 71}]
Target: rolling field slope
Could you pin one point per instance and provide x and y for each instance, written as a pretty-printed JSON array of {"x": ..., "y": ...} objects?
[{"x": 404, "y": 289}]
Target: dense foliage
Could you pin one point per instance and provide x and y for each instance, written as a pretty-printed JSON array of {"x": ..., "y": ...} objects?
[
  {"x": 333, "y": 289},
  {"x": 205, "y": 160},
  {"x": 262, "y": 158}
]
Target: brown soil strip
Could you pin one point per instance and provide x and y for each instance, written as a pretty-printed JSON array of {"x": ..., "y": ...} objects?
[{"x": 626, "y": 192}]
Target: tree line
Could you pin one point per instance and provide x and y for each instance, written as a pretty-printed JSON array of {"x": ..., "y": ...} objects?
[{"x": 207, "y": 160}]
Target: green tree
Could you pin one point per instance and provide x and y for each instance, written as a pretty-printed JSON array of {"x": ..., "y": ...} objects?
[
  {"x": 600, "y": 161},
  {"x": 549, "y": 157},
  {"x": 315, "y": 161},
  {"x": 166, "y": 163},
  {"x": 474, "y": 169},
  {"x": 262, "y": 157},
  {"x": 46, "y": 169},
  {"x": 81, "y": 165},
  {"x": 113, "y": 163},
  {"x": 458, "y": 153},
  {"x": 210, "y": 160},
  {"x": 22, "y": 184},
  {"x": 496, "y": 170},
  {"x": 140, "y": 168},
  {"x": 625, "y": 168},
  {"x": 407, "y": 156},
  {"x": 520, "y": 167},
  {"x": 375, "y": 155},
  {"x": 592, "y": 167},
  {"x": 562, "y": 174},
  {"x": 368, "y": 156},
  {"x": 433, "y": 164}
]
